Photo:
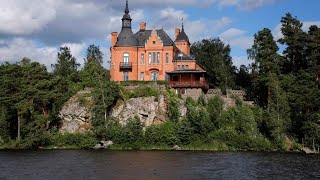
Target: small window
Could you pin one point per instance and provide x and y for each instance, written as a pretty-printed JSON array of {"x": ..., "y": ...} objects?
[
  {"x": 167, "y": 58},
  {"x": 150, "y": 58},
  {"x": 182, "y": 66},
  {"x": 167, "y": 76},
  {"x": 158, "y": 58},
  {"x": 153, "y": 57},
  {"x": 178, "y": 66},
  {"x": 142, "y": 58},
  {"x": 153, "y": 42},
  {"x": 187, "y": 66},
  {"x": 142, "y": 76}
]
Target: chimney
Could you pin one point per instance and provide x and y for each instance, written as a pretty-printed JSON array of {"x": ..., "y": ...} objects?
[
  {"x": 177, "y": 32},
  {"x": 143, "y": 26},
  {"x": 114, "y": 36}
]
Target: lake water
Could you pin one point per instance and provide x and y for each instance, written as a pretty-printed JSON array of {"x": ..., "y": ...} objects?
[{"x": 77, "y": 164}]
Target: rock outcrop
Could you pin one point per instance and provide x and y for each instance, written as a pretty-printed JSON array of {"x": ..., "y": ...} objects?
[
  {"x": 150, "y": 110},
  {"x": 103, "y": 145},
  {"x": 76, "y": 113}
]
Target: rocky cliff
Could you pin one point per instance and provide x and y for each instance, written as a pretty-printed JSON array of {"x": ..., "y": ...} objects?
[
  {"x": 150, "y": 110},
  {"x": 76, "y": 113}
]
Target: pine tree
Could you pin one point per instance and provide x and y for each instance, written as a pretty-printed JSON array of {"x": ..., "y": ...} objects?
[
  {"x": 270, "y": 94},
  {"x": 214, "y": 55}
]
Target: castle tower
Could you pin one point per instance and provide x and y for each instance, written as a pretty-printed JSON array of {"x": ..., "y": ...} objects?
[{"x": 182, "y": 40}]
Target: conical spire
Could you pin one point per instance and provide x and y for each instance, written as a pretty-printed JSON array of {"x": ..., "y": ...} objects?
[
  {"x": 182, "y": 25},
  {"x": 127, "y": 8},
  {"x": 182, "y": 36}
]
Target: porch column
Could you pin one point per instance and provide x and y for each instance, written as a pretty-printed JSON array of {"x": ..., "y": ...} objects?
[{"x": 191, "y": 79}]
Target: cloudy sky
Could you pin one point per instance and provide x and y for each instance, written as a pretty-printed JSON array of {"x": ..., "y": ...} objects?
[{"x": 37, "y": 28}]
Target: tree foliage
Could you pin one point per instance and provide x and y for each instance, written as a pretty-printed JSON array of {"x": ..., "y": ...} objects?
[{"x": 215, "y": 57}]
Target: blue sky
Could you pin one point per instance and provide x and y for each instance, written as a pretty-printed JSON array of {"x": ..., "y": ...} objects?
[{"x": 37, "y": 28}]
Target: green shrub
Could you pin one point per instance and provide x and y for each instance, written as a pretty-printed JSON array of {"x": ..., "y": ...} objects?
[
  {"x": 133, "y": 130},
  {"x": 184, "y": 132},
  {"x": 190, "y": 102},
  {"x": 241, "y": 118},
  {"x": 240, "y": 141},
  {"x": 1, "y": 141},
  {"x": 199, "y": 119},
  {"x": 201, "y": 100},
  {"x": 173, "y": 106},
  {"x": 215, "y": 109},
  {"x": 163, "y": 134},
  {"x": 85, "y": 140},
  {"x": 116, "y": 132},
  {"x": 144, "y": 91},
  {"x": 153, "y": 134}
]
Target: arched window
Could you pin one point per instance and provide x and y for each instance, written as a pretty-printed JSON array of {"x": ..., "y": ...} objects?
[
  {"x": 154, "y": 76},
  {"x": 125, "y": 58}
]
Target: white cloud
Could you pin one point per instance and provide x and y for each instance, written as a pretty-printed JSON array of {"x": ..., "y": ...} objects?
[
  {"x": 243, "y": 42},
  {"x": 18, "y": 48},
  {"x": 14, "y": 50},
  {"x": 253, "y": 4},
  {"x": 24, "y": 16},
  {"x": 240, "y": 60},
  {"x": 277, "y": 32},
  {"x": 164, "y": 3},
  {"x": 206, "y": 28},
  {"x": 223, "y": 3},
  {"x": 171, "y": 15},
  {"x": 77, "y": 50},
  {"x": 232, "y": 33},
  {"x": 237, "y": 38},
  {"x": 170, "y": 18},
  {"x": 244, "y": 4},
  {"x": 307, "y": 24}
]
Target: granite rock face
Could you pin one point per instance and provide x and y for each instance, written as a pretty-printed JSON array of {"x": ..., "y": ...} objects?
[
  {"x": 76, "y": 113},
  {"x": 150, "y": 110}
]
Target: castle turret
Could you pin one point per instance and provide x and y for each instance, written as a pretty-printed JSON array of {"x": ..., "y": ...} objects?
[{"x": 182, "y": 41}]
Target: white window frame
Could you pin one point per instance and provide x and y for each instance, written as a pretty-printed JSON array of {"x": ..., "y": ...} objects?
[{"x": 126, "y": 57}]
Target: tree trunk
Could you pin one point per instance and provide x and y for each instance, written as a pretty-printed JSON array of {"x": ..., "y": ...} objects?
[
  {"x": 104, "y": 104},
  {"x": 45, "y": 114},
  {"x": 18, "y": 130}
]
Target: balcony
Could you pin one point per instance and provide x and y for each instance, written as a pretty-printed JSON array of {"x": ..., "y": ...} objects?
[
  {"x": 126, "y": 66},
  {"x": 189, "y": 84}
]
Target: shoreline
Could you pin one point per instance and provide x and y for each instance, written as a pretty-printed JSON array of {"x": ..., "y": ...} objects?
[{"x": 183, "y": 149}]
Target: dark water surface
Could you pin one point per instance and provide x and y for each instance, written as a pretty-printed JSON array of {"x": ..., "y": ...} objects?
[{"x": 77, "y": 164}]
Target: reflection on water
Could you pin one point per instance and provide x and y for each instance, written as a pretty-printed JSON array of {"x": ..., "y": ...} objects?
[{"x": 76, "y": 164}]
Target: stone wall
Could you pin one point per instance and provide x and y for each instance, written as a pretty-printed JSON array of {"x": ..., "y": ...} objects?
[
  {"x": 157, "y": 86},
  {"x": 194, "y": 93},
  {"x": 239, "y": 93}
]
